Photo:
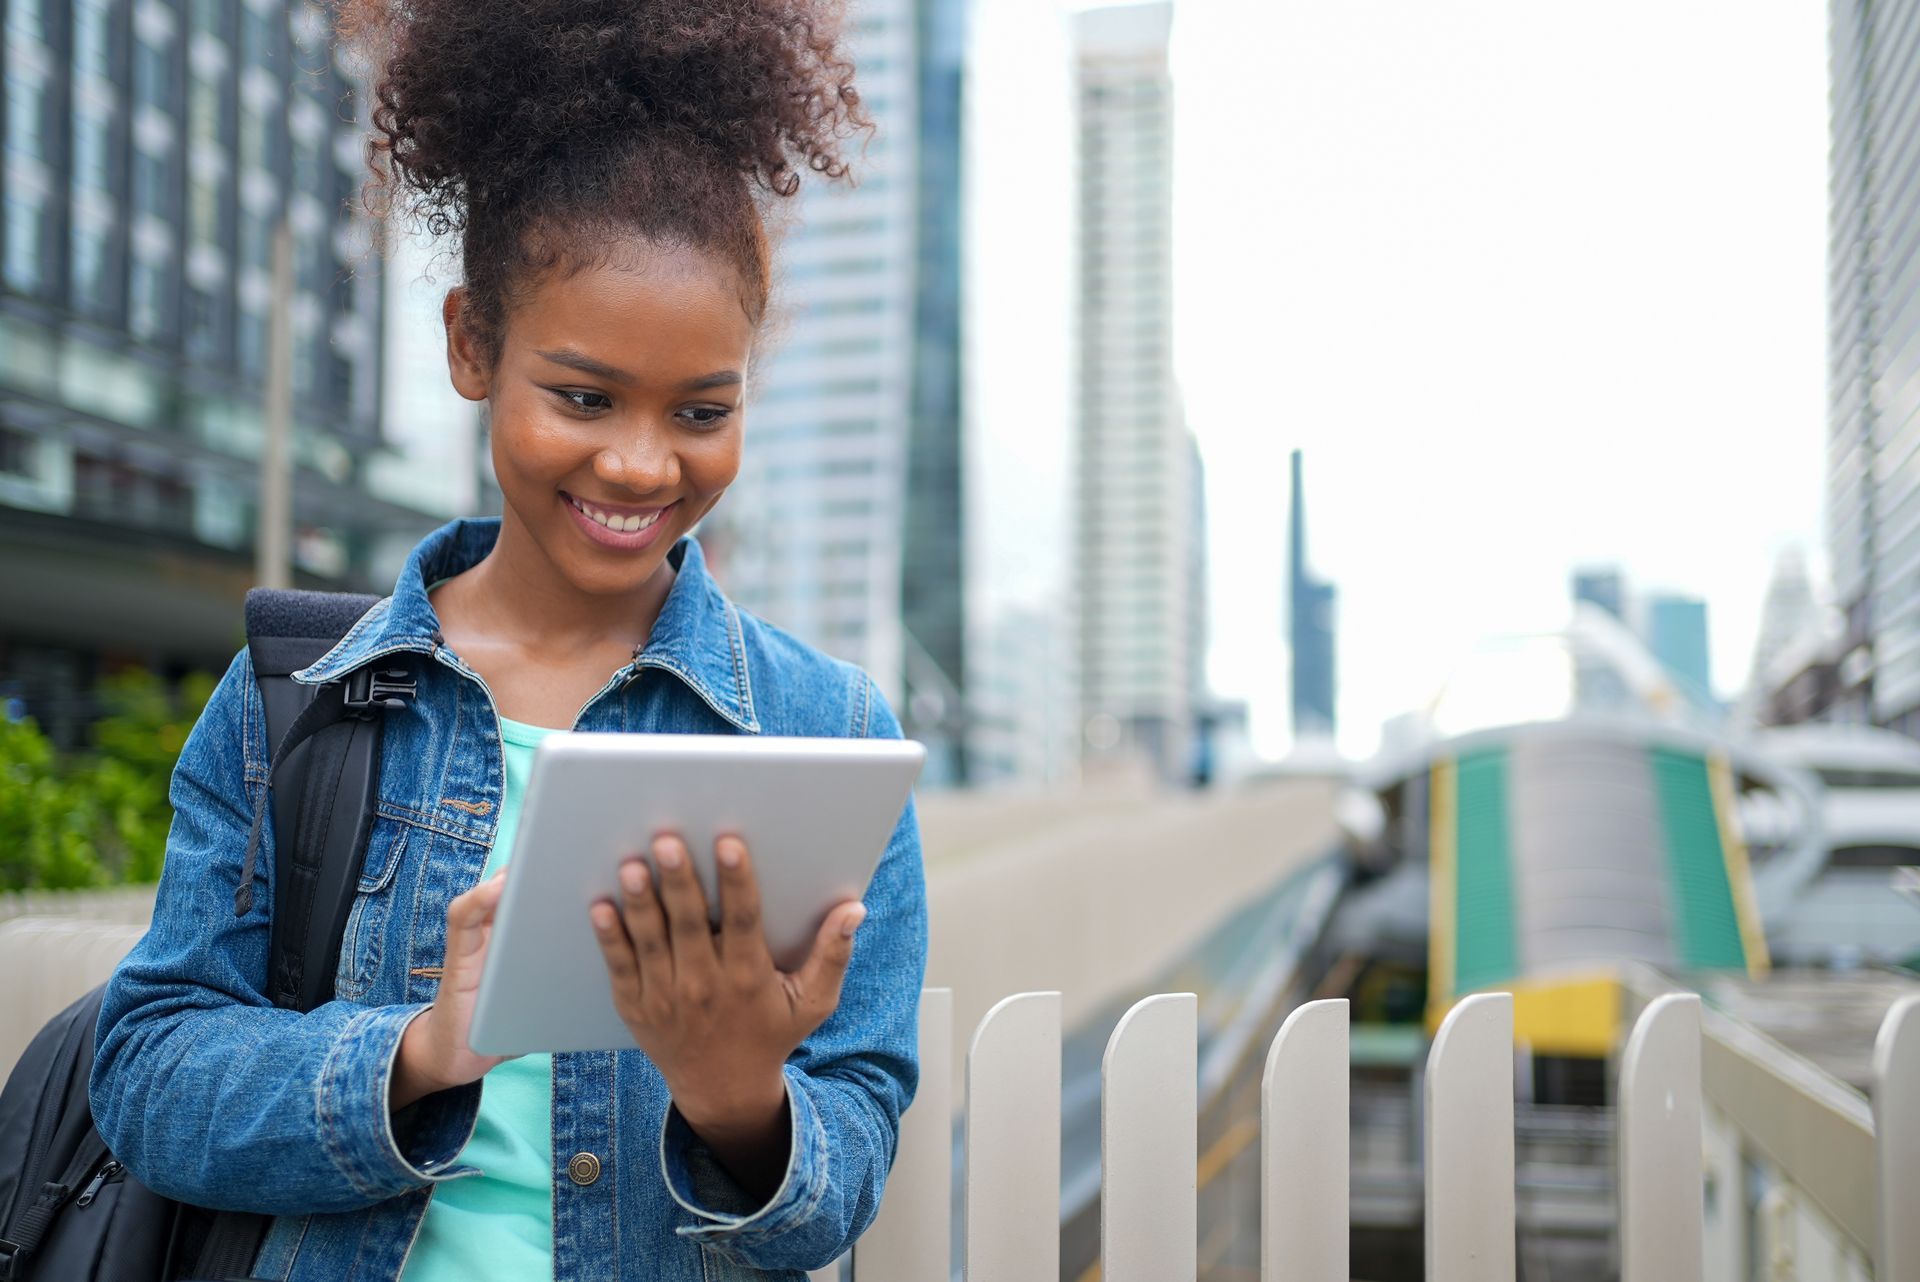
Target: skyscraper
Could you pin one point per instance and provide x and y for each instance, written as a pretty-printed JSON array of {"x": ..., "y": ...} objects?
[
  {"x": 1677, "y": 635},
  {"x": 1604, "y": 587},
  {"x": 1135, "y": 462},
  {"x": 150, "y": 150},
  {"x": 1310, "y": 624},
  {"x": 1873, "y": 341},
  {"x": 844, "y": 525}
]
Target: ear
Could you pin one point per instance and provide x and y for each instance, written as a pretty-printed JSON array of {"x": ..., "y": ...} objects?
[{"x": 471, "y": 375}]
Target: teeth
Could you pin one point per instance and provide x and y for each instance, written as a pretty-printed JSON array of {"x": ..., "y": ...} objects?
[{"x": 619, "y": 524}]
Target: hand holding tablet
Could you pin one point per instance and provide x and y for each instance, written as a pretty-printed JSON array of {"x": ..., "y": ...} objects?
[{"x": 812, "y": 818}]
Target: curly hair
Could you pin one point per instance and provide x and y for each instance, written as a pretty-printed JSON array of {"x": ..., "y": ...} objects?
[{"x": 545, "y": 133}]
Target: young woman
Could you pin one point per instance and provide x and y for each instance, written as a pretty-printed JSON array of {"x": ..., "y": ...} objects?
[{"x": 608, "y": 167}]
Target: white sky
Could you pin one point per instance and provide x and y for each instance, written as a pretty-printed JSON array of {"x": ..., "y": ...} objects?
[{"x": 1534, "y": 285}]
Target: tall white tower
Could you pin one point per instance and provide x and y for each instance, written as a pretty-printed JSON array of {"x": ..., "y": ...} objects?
[{"x": 1136, "y": 488}]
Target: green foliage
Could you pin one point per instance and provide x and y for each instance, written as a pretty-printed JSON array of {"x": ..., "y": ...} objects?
[{"x": 100, "y": 817}]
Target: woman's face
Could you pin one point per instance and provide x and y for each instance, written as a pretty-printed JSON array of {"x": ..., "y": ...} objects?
[{"x": 616, "y": 406}]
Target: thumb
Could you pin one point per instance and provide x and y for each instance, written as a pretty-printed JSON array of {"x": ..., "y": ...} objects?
[{"x": 826, "y": 966}]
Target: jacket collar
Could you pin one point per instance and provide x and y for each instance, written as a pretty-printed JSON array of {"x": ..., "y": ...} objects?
[{"x": 696, "y": 638}]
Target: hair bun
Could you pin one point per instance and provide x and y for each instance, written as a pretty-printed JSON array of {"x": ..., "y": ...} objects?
[{"x": 479, "y": 102}]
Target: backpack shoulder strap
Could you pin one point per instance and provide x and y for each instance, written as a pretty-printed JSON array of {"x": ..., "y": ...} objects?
[
  {"x": 323, "y": 781},
  {"x": 323, "y": 786}
]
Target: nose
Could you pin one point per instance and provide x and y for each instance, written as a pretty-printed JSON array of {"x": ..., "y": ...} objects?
[{"x": 641, "y": 461}]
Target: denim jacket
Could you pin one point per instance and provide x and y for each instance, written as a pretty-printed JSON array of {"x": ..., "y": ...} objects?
[{"x": 212, "y": 1095}]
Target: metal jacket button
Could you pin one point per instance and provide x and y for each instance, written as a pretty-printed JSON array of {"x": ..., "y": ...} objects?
[{"x": 584, "y": 1169}]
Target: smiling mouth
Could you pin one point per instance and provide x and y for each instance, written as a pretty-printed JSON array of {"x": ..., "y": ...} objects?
[{"x": 618, "y": 522}]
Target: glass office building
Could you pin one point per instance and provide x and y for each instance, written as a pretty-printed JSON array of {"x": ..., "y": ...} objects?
[
  {"x": 1873, "y": 335},
  {"x": 845, "y": 523},
  {"x": 151, "y": 148}
]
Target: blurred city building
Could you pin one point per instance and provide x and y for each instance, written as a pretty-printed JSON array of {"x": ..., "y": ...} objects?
[
  {"x": 1135, "y": 462},
  {"x": 151, "y": 149},
  {"x": 1873, "y": 338},
  {"x": 845, "y": 523},
  {"x": 1602, "y": 586},
  {"x": 1310, "y": 624},
  {"x": 1676, "y": 632}
]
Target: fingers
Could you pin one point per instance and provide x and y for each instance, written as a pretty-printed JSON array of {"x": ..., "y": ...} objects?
[
  {"x": 825, "y": 969},
  {"x": 623, "y": 967},
  {"x": 646, "y": 929},
  {"x": 743, "y": 946},
  {"x": 469, "y": 916},
  {"x": 694, "y": 959}
]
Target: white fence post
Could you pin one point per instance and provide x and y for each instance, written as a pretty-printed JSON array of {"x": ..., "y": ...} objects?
[
  {"x": 1662, "y": 1220},
  {"x": 1469, "y": 1143},
  {"x": 1149, "y": 1144},
  {"x": 912, "y": 1238},
  {"x": 1896, "y": 1129},
  {"x": 1303, "y": 1148},
  {"x": 1013, "y": 1143}
]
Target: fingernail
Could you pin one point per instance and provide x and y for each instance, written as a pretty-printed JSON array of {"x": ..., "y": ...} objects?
[
  {"x": 728, "y": 854},
  {"x": 603, "y": 915},
  {"x": 633, "y": 877},
  {"x": 668, "y": 853},
  {"x": 852, "y": 921}
]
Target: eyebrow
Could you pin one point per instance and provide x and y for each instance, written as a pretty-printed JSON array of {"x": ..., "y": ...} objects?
[{"x": 572, "y": 359}]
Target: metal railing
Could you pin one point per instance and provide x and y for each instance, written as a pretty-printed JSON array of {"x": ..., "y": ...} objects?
[{"x": 1672, "y": 1073}]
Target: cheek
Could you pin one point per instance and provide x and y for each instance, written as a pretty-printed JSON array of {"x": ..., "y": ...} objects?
[{"x": 712, "y": 462}]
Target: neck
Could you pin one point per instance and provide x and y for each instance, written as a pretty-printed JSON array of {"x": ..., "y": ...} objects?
[{"x": 524, "y": 600}]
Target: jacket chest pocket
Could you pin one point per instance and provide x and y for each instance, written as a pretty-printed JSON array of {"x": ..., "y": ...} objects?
[{"x": 363, "y": 942}]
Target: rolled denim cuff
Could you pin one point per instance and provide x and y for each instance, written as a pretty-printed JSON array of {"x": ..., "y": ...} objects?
[
  {"x": 378, "y": 1151},
  {"x": 732, "y": 1223}
]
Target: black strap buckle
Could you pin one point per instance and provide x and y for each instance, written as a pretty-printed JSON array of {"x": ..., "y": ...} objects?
[
  {"x": 366, "y": 691},
  {"x": 9, "y": 1252}
]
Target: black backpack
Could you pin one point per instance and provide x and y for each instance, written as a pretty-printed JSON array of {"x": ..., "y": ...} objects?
[{"x": 69, "y": 1212}]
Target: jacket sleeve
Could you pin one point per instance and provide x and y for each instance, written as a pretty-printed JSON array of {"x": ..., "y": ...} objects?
[
  {"x": 207, "y": 1091},
  {"x": 846, "y": 1087}
]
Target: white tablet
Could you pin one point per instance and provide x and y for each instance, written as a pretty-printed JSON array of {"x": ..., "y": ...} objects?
[{"x": 816, "y": 814}]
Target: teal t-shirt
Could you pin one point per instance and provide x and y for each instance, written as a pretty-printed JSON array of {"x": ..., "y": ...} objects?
[{"x": 499, "y": 1224}]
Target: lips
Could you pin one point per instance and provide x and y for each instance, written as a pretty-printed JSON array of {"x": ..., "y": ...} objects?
[
  {"x": 619, "y": 520},
  {"x": 625, "y": 529}
]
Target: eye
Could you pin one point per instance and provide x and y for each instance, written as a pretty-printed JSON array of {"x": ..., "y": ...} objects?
[
  {"x": 585, "y": 402},
  {"x": 705, "y": 416}
]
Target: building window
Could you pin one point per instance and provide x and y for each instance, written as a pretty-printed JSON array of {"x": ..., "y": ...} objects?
[
  {"x": 204, "y": 198},
  {"x": 153, "y": 76},
  {"x": 206, "y": 332},
  {"x": 206, "y": 114},
  {"x": 16, "y": 453},
  {"x": 256, "y": 240},
  {"x": 27, "y": 20},
  {"x": 26, "y": 116},
  {"x": 26, "y": 221},
  {"x": 260, "y": 35},
  {"x": 210, "y": 16},
  {"x": 92, "y": 153},
  {"x": 92, "y": 39},
  {"x": 152, "y": 185},
  {"x": 251, "y": 338},
  {"x": 91, "y": 279},
  {"x": 150, "y": 305}
]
